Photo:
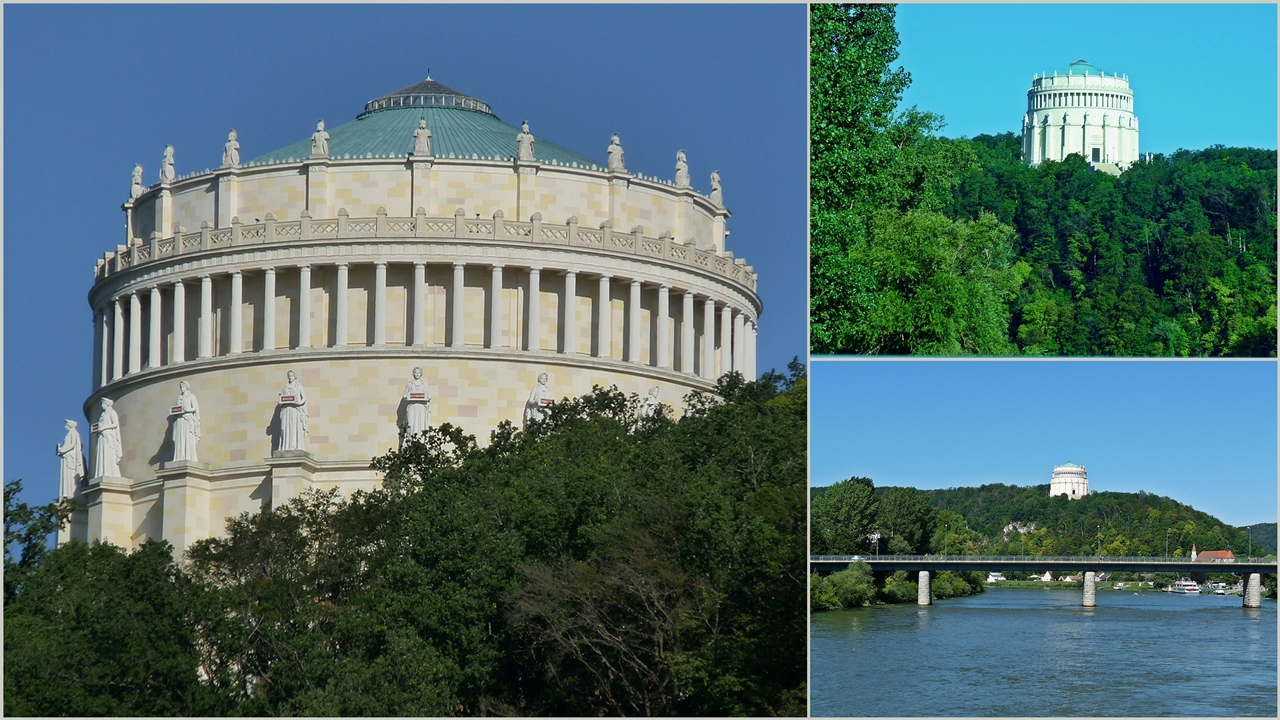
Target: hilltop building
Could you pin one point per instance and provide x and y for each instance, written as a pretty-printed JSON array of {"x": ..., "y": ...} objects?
[
  {"x": 1081, "y": 109},
  {"x": 1069, "y": 479},
  {"x": 423, "y": 263}
]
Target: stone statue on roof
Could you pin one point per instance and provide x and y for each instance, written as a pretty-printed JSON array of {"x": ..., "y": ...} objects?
[
  {"x": 717, "y": 197},
  {"x": 136, "y": 188},
  {"x": 682, "y": 170},
  {"x": 539, "y": 402},
  {"x": 616, "y": 161},
  {"x": 422, "y": 138},
  {"x": 320, "y": 141},
  {"x": 231, "y": 151},
  {"x": 166, "y": 165},
  {"x": 525, "y": 140},
  {"x": 651, "y": 406}
]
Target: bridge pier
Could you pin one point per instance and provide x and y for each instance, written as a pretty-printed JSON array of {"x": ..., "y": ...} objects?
[
  {"x": 1253, "y": 591},
  {"x": 924, "y": 593},
  {"x": 1090, "y": 590}
]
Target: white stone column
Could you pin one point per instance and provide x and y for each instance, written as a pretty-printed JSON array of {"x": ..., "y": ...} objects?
[
  {"x": 117, "y": 340},
  {"x": 419, "y": 304},
  {"x": 751, "y": 351},
  {"x": 269, "y": 309},
  {"x": 663, "y": 325},
  {"x": 535, "y": 309},
  {"x": 687, "y": 349},
  {"x": 178, "y": 353},
  {"x": 135, "y": 333},
  {"x": 153, "y": 344},
  {"x": 237, "y": 313},
  {"x": 633, "y": 323},
  {"x": 204, "y": 344},
  {"x": 496, "y": 335},
  {"x": 1090, "y": 597},
  {"x": 924, "y": 590},
  {"x": 726, "y": 339},
  {"x": 340, "y": 333},
  {"x": 455, "y": 339},
  {"x": 570, "y": 312},
  {"x": 304, "y": 306},
  {"x": 739, "y": 343},
  {"x": 1253, "y": 591},
  {"x": 379, "y": 304},
  {"x": 99, "y": 349},
  {"x": 709, "y": 339},
  {"x": 604, "y": 334}
]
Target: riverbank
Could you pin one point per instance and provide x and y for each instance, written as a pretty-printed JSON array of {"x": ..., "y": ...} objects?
[{"x": 859, "y": 587}]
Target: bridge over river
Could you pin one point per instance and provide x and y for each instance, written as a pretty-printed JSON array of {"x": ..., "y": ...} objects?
[{"x": 927, "y": 564}]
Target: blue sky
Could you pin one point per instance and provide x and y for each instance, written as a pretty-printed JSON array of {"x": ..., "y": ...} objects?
[
  {"x": 1201, "y": 74},
  {"x": 89, "y": 90},
  {"x": 1200, "y": 432}
]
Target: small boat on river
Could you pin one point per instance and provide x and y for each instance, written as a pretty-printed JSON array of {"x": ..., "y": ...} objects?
[{"x": 1185, "y": 586}]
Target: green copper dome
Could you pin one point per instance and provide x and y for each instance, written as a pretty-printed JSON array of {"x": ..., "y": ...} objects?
[
  {"x": 1080, "y": 67},
  {"x": 461, "y": 126}
]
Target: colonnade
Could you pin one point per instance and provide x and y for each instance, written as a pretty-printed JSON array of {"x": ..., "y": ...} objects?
[
  {"x": 1113, "y": 101},
  {"x": 118, "y": 323}
]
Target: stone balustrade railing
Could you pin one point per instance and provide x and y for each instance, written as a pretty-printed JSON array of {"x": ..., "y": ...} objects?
[{"x": 459, "y": 227}]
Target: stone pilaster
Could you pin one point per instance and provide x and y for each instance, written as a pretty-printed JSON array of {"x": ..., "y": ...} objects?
[
  {"x": 633, "y": 323},
  {"x": 185, "y": 503},
  {"x": 379, "y": 304},
  {"x": 269, "y": 309},
  {"x": 459, "y": 282},
  {"x": 292, "y": 473}
]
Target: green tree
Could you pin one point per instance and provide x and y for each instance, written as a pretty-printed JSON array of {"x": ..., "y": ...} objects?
[
  {"x": 906, "y": 519},
  {"x": 843, "y": 517}
]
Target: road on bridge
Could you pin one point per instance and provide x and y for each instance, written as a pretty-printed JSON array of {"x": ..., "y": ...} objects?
[{"x": 824, "y": 564}]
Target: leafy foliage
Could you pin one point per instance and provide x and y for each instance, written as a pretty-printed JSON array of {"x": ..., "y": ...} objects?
[
  {"x": 924, "y": 245},
  {"x": 859, "y": 586},
  {"x": 593, "y": 563},
  {"x": 1176, "y": 256}
]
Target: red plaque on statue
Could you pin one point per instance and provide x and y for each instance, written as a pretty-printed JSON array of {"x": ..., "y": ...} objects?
[
  {"x": 288, "y": 398},
  {"x": 417, "y": 396},
  {"x": 175, "y": 410},
  {"x": 546, "y": 401},
  {"x": 93, "y": 427}
]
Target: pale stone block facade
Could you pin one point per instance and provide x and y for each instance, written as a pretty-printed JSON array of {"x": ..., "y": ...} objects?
[{"x": 351, "y": 271}]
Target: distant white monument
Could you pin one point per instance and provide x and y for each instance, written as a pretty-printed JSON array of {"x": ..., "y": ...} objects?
[{"x": 1069, "y": 479}]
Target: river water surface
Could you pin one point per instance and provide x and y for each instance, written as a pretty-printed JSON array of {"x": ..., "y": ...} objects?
[{"x": 1034, "y": 652}]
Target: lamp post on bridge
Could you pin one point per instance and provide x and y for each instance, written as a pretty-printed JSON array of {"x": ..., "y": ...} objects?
[
  {"x": 1166, "y": 543},
  {"x": 946, "y": 529}
]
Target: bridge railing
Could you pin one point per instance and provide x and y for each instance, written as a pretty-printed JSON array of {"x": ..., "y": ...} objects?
[{"x": 1019, "y": 558}]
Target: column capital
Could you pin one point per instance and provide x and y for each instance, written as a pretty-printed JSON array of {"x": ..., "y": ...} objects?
[
  {"x": 416, "y": 264},
  {"x": 341, "y": 264},
  {"x": 177, "y": 282},
  {"x": 459, "y": 265},
  {"x": 496, "y": 266},
  {"x": 305, "y": 266},
  {"x": 377, "y": 263},
  {"x": 206, "y": 276},
  {"x": 235, "y": 273}
]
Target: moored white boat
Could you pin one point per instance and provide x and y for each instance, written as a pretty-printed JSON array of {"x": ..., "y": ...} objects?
[{"x": 1185, "y": 586}]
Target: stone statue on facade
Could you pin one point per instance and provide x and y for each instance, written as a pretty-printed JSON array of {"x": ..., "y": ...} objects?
[
  {"x": 320, "y": 141},
  {"x": 417, "y": 409},
  {"x": 651, "y": 407},
  {"x": 231, "y": 151},
  {"x": 682, "y": 170},
  {"x": 617, "y": 162},
  {"x": 166, "y": 165},
  {"x": 293, "y": 415},
  {"x": 422, "y": 138},
  {"x": 717, "y": 196},
  {"x": 525, "y": 141},
  {"x": 72, "y": 456},
  {"x": 136, "y": 188},
  {"x": 107, "y": 449},
  {"x": 540, "y": 398},
  {"x": 186, "y": 424}
]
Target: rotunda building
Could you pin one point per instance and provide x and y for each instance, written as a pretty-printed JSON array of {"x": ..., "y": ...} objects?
[
  {"x": 1069, "y": 479},
  {"x": 420, "y": 264},
  {"x": 1082, "y": 110}
]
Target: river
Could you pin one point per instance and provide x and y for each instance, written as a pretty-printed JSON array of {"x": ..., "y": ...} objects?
[{"x": 1036, "y": 652}]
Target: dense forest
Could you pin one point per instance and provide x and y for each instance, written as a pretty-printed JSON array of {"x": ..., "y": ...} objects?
[
  {"x": 596, "y": 563},
  {"x": 925, "y": 245},
  {"x": 999, "y": 519}
]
